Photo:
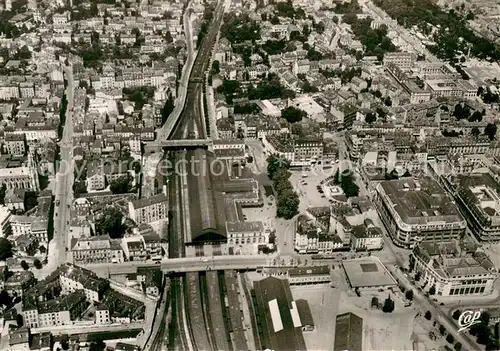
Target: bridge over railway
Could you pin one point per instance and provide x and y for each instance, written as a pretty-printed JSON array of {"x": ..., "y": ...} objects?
[{"x": 186, "y": 144}]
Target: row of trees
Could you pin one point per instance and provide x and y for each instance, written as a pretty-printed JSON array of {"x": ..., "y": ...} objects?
[
  {"x": 463, "y": 111},
  {"x": 239, "y": 28},
  {"x": 269, "y": 88},
  {"x": 287, "y": 199},
  {"x": 427, "y": 13},
  {"x": 375, "y": 41},
  {"x": 62, "y": 116}
]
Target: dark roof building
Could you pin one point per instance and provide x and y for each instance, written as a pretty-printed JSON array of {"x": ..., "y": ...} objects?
[
  {"x": 279, "y": 322},
  {"x": 348, "y": 333}
]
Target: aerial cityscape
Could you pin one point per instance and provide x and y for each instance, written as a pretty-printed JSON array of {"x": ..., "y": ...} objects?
[{"x": 249, "y": 175}]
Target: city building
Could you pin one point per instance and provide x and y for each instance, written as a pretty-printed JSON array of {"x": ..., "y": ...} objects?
[
  {"x": 311, "y": 239},
  {"x": 96, "y": 249},
  {"x": 281, "y": 324},
  {"x": 5, "y": 227},
  {"x": 300, "y": 276},
  {"x": 149, "y": 210},
  {"x": 418, "y": 210},
  {"x": 348, "y": 332},
  {"x": 366, "y": 237},
  {"x": 18, "y": 282},
  {"x": 57, "y": 312},
  {"x": 404, "y": 60},
  {"x": 455, "y": 268},
  {"x": 368, "y": 273},
  {"x": 478, "y": 196},
  {"x": 451, "y": 88},
  {"x": 241, "y": 233}
]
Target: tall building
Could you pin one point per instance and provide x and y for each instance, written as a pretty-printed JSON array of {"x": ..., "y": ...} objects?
[
  {"x": 418, "y": 210},
  {"x": 478, "y": 196},
  {"x": 455, "y": 268},
  {"x": 148, "y": 210}
]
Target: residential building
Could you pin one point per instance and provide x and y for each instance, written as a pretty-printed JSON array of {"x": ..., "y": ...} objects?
[
  {"x": 418, "y": 210},
  {"x": 15, "y": 144},
  {"x": 478, "y": 196},
  {"x": 149, "y": 210},
  {"x": 404, "y": 60},
  {"x": 19, "y": 339},
  {"x": 18, "y": 283},
  {"x": 366, "y": 237},
  {"x": 310, "y": 238},
  {"x": 451, "y": 88},
  {"x": 5, "y": 227},
  {"x": 60, "y": 311},
  {"x": 455, "y": 268},
  {"x": 96, "y": 249}
]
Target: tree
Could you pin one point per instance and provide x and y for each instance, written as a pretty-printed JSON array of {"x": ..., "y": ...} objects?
[
  {"x": 490, "y": 130},
  {"x": 409, "y": 295},
  {"x": 417, "y": 276},
  {"x": 456, "y": 314},
  {"x": 370, "y": 117},
  {"x": 19, "y": 320},
  {"x": 442, "y": 330},
  {"x": 428, "y": 315},
  {"x": 5, "y": 299},
  {"x": 110, "y": 223},
  {"x": 37, "y": 263},
  {"x": 287, "y": 205},
  {"x": 348, "y": 185},
  {"x": 388, "y": 305},
  {"x": 450, "y": 339},
  {"x": 97, "y": 346},
  {"x": 388, "y": 101},
  {"x": 25, "y": 265},
  {"x": 215, "y": 67},
  {"x": 64, "y": 342},
  {"x": 121, "y": 185},
  {"x": 292, "y": 114},
  {"x": 476, "y": 117},
  {"x": 3, "y": 189},
  {"x": 458, "y": 346},
  {"x": 275, "y": 164},
  {"x": 475, "y": 131},
  {"x": 5, "y": 249},
  {"x": 432, "y": 290},
  {"x": 167, "y": 108}
]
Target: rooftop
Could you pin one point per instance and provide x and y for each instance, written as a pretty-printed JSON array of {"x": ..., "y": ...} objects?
[
  {"x": 367, "y": 272},
  {"x": 274, "y": 303},
  {"x": 348, "y": 332},
  {"x": 421, "y": 202}
]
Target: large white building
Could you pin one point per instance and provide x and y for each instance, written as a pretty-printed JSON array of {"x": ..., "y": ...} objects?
[
  {"x": 451, "y": 88},
  {"x": 454, "y": 268},
  {"x": 418, "y": 210}
]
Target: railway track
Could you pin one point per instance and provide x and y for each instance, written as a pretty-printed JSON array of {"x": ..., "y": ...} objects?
[{"x": 191, "y": 314}]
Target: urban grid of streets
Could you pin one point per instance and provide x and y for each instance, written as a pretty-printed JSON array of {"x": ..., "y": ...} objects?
[{"x": 186, "y": 119}]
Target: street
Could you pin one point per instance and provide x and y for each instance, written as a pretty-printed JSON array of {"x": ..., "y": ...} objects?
[{"x": 63, "y": 190}]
